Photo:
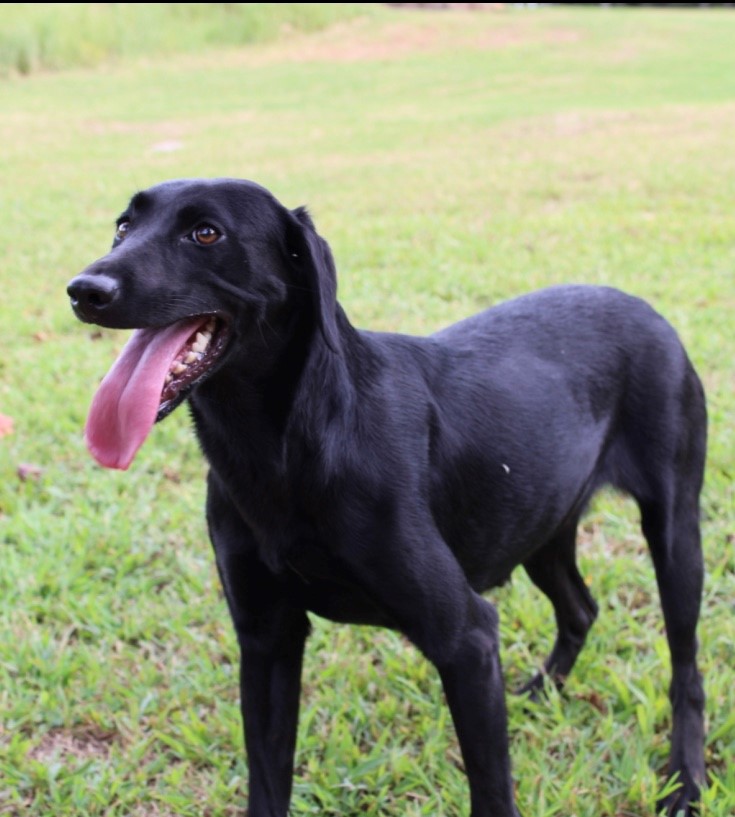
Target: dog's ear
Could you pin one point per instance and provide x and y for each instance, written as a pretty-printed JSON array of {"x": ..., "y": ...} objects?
[{"x": 311, "y": 254}]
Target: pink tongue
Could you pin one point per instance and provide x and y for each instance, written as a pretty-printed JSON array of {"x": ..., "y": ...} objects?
[{"x": 126, "y": 404}]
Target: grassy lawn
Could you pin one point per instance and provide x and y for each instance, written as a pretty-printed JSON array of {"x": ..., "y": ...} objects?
[{"x": 452, "y": 160}]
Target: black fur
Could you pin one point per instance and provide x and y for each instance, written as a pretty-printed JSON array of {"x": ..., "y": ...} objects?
[{"x": 387, "y": 479}]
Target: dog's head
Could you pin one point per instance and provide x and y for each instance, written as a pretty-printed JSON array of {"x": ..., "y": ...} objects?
[{"x": 202, "y": 270}]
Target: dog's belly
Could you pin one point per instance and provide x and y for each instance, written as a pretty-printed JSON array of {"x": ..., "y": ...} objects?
[
  {"x": 336, "y": 599},
  {"x": 489, "y": 541},
  {"x": 347, "y": 606}
]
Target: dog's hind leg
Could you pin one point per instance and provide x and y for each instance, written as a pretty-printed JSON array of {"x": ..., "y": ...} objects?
[
  {"x": 672, "y": 531},
  {"x": 553, "y": 569},
  {"x": 670, "y": 446}
]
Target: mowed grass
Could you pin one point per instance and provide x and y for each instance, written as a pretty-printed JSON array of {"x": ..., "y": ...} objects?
[{"x": 452, "y": 160}]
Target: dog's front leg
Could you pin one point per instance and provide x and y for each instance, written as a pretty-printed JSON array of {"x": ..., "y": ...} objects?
[
  {"x": 270, "y": 670},
  {"x": 271, "y": 632},
  {"x": 473, "y": 685},
  {"x": 415, "y": 578}
]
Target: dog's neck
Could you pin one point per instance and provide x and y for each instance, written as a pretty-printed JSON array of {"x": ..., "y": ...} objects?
[{"x": 283, "y": 394}]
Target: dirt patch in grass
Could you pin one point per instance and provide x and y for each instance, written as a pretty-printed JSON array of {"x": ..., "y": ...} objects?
[
  {"x": 80, "y": 743},
  {"x": 352, "y": 43},
  {"x": 410, "y": 32}
]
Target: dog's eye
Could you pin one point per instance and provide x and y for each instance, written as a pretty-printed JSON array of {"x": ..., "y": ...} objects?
[
  {"x": 205, "y": 234},
  {"x": 122, "y": 229}
]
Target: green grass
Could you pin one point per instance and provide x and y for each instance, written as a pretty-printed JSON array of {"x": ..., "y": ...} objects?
[
  {"x": 452, "y": 160},
  {"x": 42, "y": 36}
]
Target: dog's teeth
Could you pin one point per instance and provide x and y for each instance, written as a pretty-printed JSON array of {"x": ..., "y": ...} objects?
[
  {"x": 200, "y": 342},
  {"x": 194, "y": 353}
]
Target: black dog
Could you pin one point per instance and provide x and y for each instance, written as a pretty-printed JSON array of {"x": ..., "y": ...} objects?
[{"x": 390, "y": 480}]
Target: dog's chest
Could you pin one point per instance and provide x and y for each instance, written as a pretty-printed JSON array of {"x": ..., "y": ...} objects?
[
  {"x": 296, "y": 549},
  {"x": 282, "y": 517}
]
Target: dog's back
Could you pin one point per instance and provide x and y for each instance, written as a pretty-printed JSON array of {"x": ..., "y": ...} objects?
[{"x": 534, "y": 404}]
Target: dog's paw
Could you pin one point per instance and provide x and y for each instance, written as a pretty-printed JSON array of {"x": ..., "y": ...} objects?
[
  {"x": 534, "y": 694},
  {"x": 682, "y": 802},
  {"x": 538, "y": 688},
  {"x": 533, "y": 690}
]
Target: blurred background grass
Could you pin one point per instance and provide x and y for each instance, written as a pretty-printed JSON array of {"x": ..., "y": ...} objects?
[
  {"x": 452, "y": 159},
  {"x": 41, "y": 36}
]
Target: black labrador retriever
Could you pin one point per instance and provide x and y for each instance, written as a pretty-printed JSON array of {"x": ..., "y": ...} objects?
[{"x": 390, "y": 480}]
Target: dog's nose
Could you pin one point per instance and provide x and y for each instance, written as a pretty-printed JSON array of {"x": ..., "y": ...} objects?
[{"x": 92, "y": 294}]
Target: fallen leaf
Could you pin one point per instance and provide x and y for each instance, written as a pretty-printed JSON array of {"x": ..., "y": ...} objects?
[
  {"x": 28, "y": 471},
  {"x": 6, "y": 425}
]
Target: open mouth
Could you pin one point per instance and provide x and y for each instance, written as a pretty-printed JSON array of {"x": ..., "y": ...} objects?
[
  {"x": 156, "y": 370},
  {"x": 192, "y": 362}
]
